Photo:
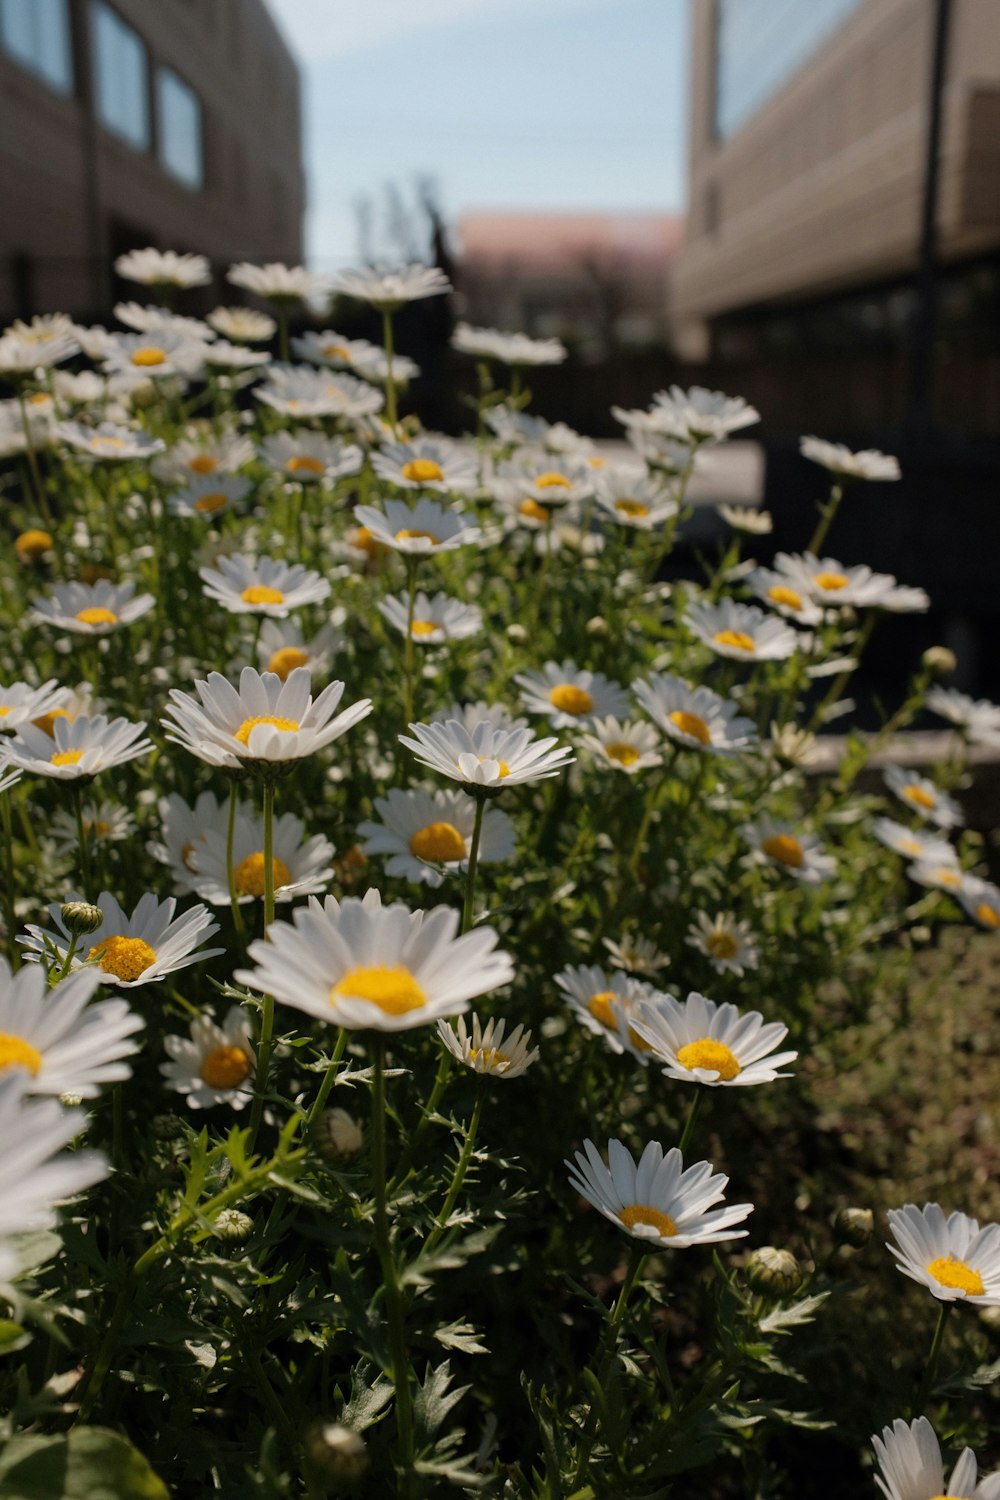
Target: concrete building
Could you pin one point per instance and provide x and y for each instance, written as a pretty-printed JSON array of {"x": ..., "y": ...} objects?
[{"x": 174, "y": 123}]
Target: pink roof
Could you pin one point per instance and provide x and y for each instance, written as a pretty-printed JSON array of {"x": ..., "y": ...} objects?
[{"x": 543, "y": 238}]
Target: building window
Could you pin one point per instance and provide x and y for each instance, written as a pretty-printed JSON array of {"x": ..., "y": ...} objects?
[
  {"x": 120, "y": 77},
  {"x": 36, "y": 35},
  {"x": 178, "y": 126}
]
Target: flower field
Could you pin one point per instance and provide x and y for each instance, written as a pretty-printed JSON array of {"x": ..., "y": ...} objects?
[{"x": 454, "y": 1037}]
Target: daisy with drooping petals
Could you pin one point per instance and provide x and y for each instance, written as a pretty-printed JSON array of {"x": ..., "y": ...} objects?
[
  {"x": 244, "y": 325},
  {"x": 275, "y": 281},
  {"x": 209, "y": 496},
  {"x": 163, "y": 268},
  {"x": 625, "y": 747},
  {"x": 61, "y": 1043},
  {"x": 310, "y": 456},
  {"x": 78, "y": 747},
  {"x": 605, "y": 1005},
  {"x": 214, "y": 1064},
  {"x": 265, "y": 587},
  {"x": 912, "y": 845},
  {"x": 696, "y": 718},
  {"x": 426, "y": 834},
  {"x": 92, "y": 608},
  {"x": 487, "y": 1050},
  {"x": 109, "y": 441},
  {"x": 923, "y": 797},
  {"x": 282, "y": 646},
  {"x": 419, "y": 530},
  {"x": 434, "y": 620},
  {"x": 981, "y": 900},
  {"x": 264, "y": 719},
  {"x": 836, "y": 459},
  {"x": 701, "y": 1042},
  {"x": 388, "y": 289},
  {"x": 727, "y": 944},
  {"x": 800, "y": 854},
  {"x": 909, "y": 1456},
  {"x": 508, "y": 348},
  {"x": 130, "y": 950},
  {"x": 426, "y": 464},
  {"x": 363, "y": 965},
  {"x": 655, "y": 1199},
  {"x": 567, "y": 693},
  {"x": 952, "y": 1257},
  {"x": 301, "y": 866},
  {"x": 487, "y": 757},
  {"x": 21, "y": 704},
  {"x": 741, "y": 631}
]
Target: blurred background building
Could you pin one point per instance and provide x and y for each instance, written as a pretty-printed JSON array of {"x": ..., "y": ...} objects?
[{"x": 174, "y": 123}]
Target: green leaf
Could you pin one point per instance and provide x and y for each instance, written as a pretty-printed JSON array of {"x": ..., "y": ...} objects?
[{"x": 88, "y": 1464}]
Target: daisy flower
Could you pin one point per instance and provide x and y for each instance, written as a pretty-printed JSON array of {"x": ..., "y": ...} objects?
[
  {"x": 487, "y": 756},
  {"x": 978, "y": 719},
  {"x": 425, "y": 834},
  {"x": 21, "y": 704},
  {"x": 622, "y": 746},
  {"x": 78, "y": 747},
  {"x": 867, "y": 464},
  {"x": 981, "y": 900},
  {"x": 300, "y": 393},
  {"x": 265, "y": 587},
  {"x": 92, "y": 608},
  {"x": 420, "y": 530},
  {"x": 696, "y": 718},
  {"x": 389, "y": 290},
  {"x": 911, "y": 845},
  {"x": 185, "y": 830},
  {"x": 264, "y": 719},
  {"x": 33, "y": 1177},
  {"x": 508, "y": 348},
  {"x": 310, "y": 456},
  {"x": 487, "y": 1050},
  {"x": 655, "y": 1199},
  {"x": 242, "y": 324},
  {"x": 741, "y": 631},
  {"x": 130, "y": 950},
  {"x": 605, "y": 1005},
  {"x": 301, "y": 866},
  {"x": 282, "y": 646},
  {"x": 910, "y": 1459},
  {"x": 163, "y": 268},
  {"x": 104, "y": 822},
  {"x": 639, "y": 503},
  {"x": 275, "y": 281},
  {"x": 952, "y": 1257},
  {"x": 702, "y": 1042},
  {"x": 727, "y": 944},
  {"x": 782, "y": 844},
  {"x": 109, "y": 441},
  {"x": 434, "y": 620},
  {"x": 63, "y": 1044},
  {"x": 363, "y": 965},
  {"x": 214, "y": 1064},
  {"x": 567, "y": 693},
  {"x": 209, "y": 496},
  {"x": 777, "y": 591},
  {"x": 923, "y": 797},
  {"x": 426, "y": 464}
]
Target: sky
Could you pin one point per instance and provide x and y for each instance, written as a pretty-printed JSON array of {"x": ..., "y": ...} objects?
[{"x": 504, "y": 104}]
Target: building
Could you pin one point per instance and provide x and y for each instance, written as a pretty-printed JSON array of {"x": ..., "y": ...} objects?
[
  {"x": 174, "y": 123},
  {"x": 808, "y": 153}
]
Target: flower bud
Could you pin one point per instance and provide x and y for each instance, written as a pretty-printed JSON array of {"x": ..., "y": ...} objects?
[
  {"x": 81, "y": 917},
  {"x": 339, "y": 1452},
  {"x": 939, "y": 661},
  {"x": 773, "y": 1272},
  {"x": 597, "y": 625},
  {"x": 854, "y": 1226},
  {"x": 337, "y": 1136}
]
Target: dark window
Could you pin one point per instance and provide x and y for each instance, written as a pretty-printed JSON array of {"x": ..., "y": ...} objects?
[
  {"x": 178, "y": 125},
  {"x": 35, "y": 33},
  {"x": 120, "y": 77}
]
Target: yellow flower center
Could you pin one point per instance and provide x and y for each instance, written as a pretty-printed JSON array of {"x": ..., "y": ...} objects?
[
  {"x": 785, "y": 849},
  {"x": 622, "y": 752},
  {"x": 406, "y": 535},
  {"x": 438, "y": 842},
  {"x": 957, "y": 1274},
  {"x": 224, "y": 1068},
  {"x": 203, "y": 463},
  {"x": 552, "y": 480},
  {"x": 393, "y": 990},
  {"x": 602, "y": 1007},
  {"x": 920, "y": 796},
  {"x": 691, "y": 724},
  {"x": 125, "y": 957},
  {"x": 284, "y": 726},
  {"x": 286, "y": 659},
  {"x": 988, "y": 915},
  {"x": 533, "y": 510},
  {"x": 570, "y": 699},
  {"x": 15, "y": 1052},
  {"x": 738, "y": 639},
  {"x": 304, "y": 463},
  {"x": 831, "y": 582},
  {"x": 261, "y": 593},
  {"x": 422, "y": 471},
  {"x": 946, "y": 875},
  {"x": 632, "y": 508},
  {"x": 66, "y": 757},
  {"x": 722, "y": 945},
  {"x": 641, "y": 1213},
  {"x": 211, "y": 504},
  {"x": 32, "y": 544},
  {"x": 248, "y": 876},
  {"x": 708, "y": 1053},
  {"x": 96, "y": 614},
  {"x": 782, "y": 594},
  {"x": 47, "y": 722},
  {"x": 424, "y": 627},
  {"x": 148, "y": 357}
]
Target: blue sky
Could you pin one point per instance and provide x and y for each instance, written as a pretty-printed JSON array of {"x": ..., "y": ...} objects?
[{"x": 563, "y": 104}]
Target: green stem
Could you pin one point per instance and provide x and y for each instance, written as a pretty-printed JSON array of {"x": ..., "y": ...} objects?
[
  {"x": 234, "y": 901},
  {"x": 390, "y": 379},
  {"x": 691, "y": 1117},
  {"x": 470, "y": 879},
  {"x": 930, "y": 1368},
  {"x": 826, "y": 515},
  {"x": 390, "y": 1280},
  {"x": 267, "y": 1021}
]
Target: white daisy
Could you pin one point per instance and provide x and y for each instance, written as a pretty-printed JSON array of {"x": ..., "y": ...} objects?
[
  {"x": 727, "y": 944},
  {"x": 435, "y": 620},
  {"x": 910, "y": 1459},
  {"x": 488, "y": 1051},
  {"x": 21, "y": 704},
  {"x": 282, "y": 646},
  {"x": 427, "y": 834},
  {"x": 426, "y": 464},
  {"x": 61, "y": 1043},
  {"x": 782, "y": 844},
  {"x": 981, "y": 899},
  {"x": 912, "y": 845},
  {"x": 486, "y": 757},
  {"x": 130, "y": 950},
  {"x": 740, "y": 631},
  {"x": 696, "y": 718},
  {"x": 300, "y": 393},
  {"x": 923, "y": 797},
  {"x": 420, "y": 530},
  {"x": 92, "y": 608},
  {"x": 777, "y": 591},
  {"x": 952, "y": 1257},
  {"x": 301, "y": 866},
  {"x": 79, "y": 747},
  {"x": 389, "y": 289},
  {"x": 566, "y": 693},
  {"x": 623, "y": 746},
  {"x": 109, "y": 441},
  {"x": 655, "y": 1200},
  {"x": 508, "y": 348},
  {"x": 275, "y": 281},
  {"x": 977, "y": 718},
  {"x": 362, "y": 965},
  {"x": 209, "y": 496},
  {"x": 605, "y": 1005},
  {"x": 184, "y": 833},
  {"x": 103, "y": 822},
  {"x": 310, "y": 456},
  {"x": 242, "y": 324},
  {"x": 265, "y": 719},
  {"x": 164, "y": 268},
  {"x": 702, "y": 1042},
  {"x": 265, "y": 587},
  {"x": 868, "y": 464},
  {"x": 214, "y": 1064}
]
